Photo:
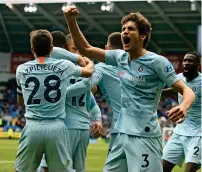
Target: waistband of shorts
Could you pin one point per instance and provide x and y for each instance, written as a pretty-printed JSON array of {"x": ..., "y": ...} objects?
[{"x": 29, "y": 120}]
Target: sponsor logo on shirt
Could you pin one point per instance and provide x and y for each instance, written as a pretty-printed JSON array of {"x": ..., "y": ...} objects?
[
  {"x": 168, "y": 68},
  {"x": 137, "y": 80},
  {"x": 170, "y": 75}
]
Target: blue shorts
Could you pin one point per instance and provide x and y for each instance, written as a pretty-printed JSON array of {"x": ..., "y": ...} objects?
[
  {"x": 39, "y": 137},
  {"x": 77, "y": 149},
  {"x": 135, "y": 154},
  {"x": 183, "y": 148}
]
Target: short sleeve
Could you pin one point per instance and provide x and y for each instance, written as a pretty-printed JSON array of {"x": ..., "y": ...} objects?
[
  {"x": 111, "y": 57},
  {"x": 60, "y": 53},
  {"x": 19, "y": 88},
  {"x": 166, "y": 71},
  {"x": 96, "y": 77},
  {"x": 72, "y": 69}
]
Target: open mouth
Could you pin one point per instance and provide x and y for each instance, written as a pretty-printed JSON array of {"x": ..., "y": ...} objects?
[
  {"x": 126, "y": 40},
  {"x": 186, "y": 69}
]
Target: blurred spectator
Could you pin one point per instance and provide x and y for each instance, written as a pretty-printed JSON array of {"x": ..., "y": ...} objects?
[{"x": 11, "y": 114}]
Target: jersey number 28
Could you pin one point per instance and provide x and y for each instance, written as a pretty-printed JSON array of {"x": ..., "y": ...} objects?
[{"x": 47, "y": 91}]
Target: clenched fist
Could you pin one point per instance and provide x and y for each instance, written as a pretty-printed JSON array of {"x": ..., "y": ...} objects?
[{"x": 70, "y": 13}]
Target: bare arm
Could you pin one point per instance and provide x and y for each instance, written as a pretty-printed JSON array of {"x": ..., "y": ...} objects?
[
  {"x": 178, "y": 113},
  {"x": 188, "y": 94},
  {"x": 20, "y": 100},
  {"x": 79, "y": 40}
]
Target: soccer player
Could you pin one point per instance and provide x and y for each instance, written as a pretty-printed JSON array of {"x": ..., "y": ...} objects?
[
  {"x": 143, "y": 75},
  {"x": 78, "y": 111},
  {"x": 106, "y": 77},
  {"x": 186, "y": 139},
  {"x": 41, "y": 87}
]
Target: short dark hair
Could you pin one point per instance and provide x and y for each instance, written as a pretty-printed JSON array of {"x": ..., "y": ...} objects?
[
  {"x": 143, "y": 25},
  {"x": 59, "y": 39},
  {"x": 41, "y": 41},
  {"x": 198, "y": 58},
  {"x": 114, "y": 40}
]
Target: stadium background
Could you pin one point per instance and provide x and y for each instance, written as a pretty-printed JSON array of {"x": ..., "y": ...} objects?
[{"x": 175, "y": 26}]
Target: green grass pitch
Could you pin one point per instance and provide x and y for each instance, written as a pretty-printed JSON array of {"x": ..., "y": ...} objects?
[{"x": 95, "y": 160}]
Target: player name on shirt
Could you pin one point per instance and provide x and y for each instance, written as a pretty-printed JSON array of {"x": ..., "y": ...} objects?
[{"x": 44, "y": 67}]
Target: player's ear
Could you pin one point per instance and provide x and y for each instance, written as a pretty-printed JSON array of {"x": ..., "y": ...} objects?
[
  {"x": 33, "y": 51},
  {"x": 142, "y": 37},
  {"x": 106, "y": 47}
]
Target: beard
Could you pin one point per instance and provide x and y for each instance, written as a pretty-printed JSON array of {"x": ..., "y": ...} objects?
[{"x": 191, "y": 73}]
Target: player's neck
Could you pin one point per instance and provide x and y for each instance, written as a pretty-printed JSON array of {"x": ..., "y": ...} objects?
[
  {"x": 37, "y": 57},
  {"x": 192, "y": 77},
  {"x": 135, "y": 54}
]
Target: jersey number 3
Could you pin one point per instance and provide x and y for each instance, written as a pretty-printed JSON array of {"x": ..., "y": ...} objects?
[{"x": 47, "y": 91}]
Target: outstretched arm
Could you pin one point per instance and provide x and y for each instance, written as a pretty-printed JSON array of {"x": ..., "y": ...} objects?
[
  {"x": 60, "y": 53},
  {"x": 79, "y": 40},
  {"x": 84, "y": 85}
]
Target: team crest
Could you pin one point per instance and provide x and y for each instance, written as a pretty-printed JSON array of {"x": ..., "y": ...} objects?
[{"x": 140, "y": 69}]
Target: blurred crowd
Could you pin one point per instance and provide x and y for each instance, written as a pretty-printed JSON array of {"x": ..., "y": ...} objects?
[{"x": 12, "y": 115}]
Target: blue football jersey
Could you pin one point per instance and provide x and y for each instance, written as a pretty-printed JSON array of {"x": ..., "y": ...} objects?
[
  {"x": 191, "y": 126},
  {"x": 43, "y": 87},
  {"x": 78, "y": 108},
  {"x": 141, "y": 81},
  {"x": 106, "y": 77}
]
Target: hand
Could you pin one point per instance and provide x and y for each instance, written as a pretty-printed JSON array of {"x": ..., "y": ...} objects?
[
  {"x": 81, "y": 61},
  {"x": 87, "y": 60},
  {"x": 97, "y": 129},
  {"x": 70, "y": 13},
  {"x": 89, "y": 63},
  {"x": 177, "y": 114}
]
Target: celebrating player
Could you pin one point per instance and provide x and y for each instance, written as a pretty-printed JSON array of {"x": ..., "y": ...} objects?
[
  {"x": 186, "y": 140},
  {"x": 143, "y": 75},
  {"x": 78, "y": 111},
  {"x": 41, "y": 87},
  {"x": 106, "y": 77}
]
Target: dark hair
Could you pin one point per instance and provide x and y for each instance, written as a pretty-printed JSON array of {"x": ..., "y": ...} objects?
[
  {"x": 59, "y": 39},
  {"x": 114, "y": 40},
  {"x": 198, "y": 58},
  {"x": 41, "y": 41},
  {"x": 143, "y": 25}
]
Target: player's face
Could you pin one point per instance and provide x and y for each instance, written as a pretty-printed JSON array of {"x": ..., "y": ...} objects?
[
  {"x": 130, "y": 36},
  {"x": 189, "y": 65},
  {"x": 71, "y": 47}
]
